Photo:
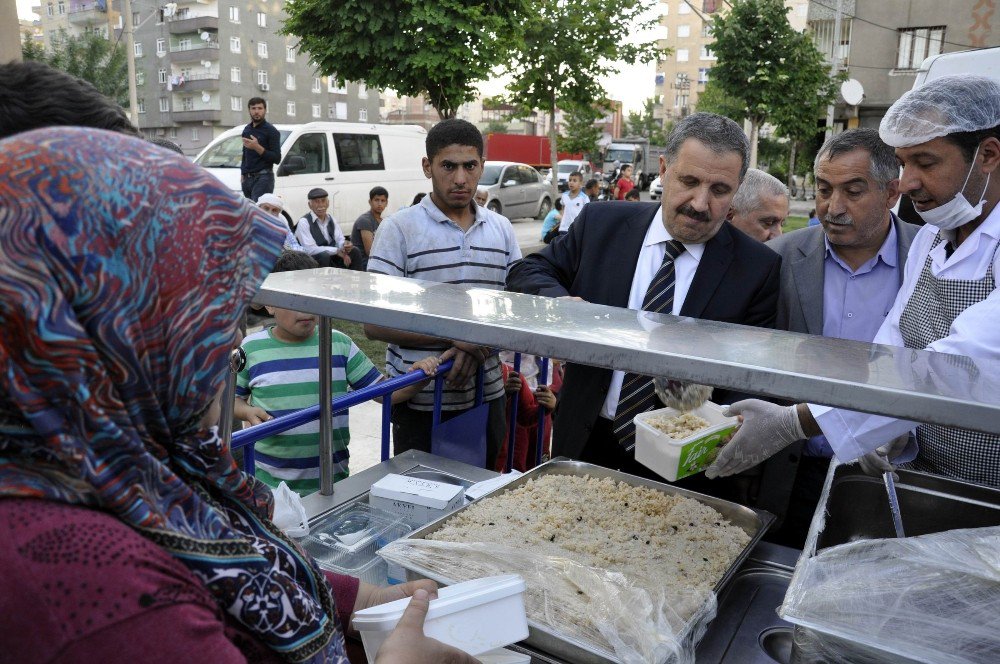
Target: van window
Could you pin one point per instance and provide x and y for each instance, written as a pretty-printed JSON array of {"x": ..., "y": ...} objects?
[
  {"x": 312, "y": 148},
  {"x": 228, "y": 153},
  {"x": 359, "y": 152}
]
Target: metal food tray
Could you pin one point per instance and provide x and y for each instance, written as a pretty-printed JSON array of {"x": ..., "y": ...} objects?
[{"x": 754, "y": 522}]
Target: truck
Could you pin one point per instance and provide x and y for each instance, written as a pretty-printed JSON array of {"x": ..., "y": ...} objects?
[
  {"x": 635, "y": 150},
  {"x": 531, "y": 150}
]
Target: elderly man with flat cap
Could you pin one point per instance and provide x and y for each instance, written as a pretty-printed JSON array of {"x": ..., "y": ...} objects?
[
  {"x": 320, "y": 235},
  {"x": 946, "y": 134}
]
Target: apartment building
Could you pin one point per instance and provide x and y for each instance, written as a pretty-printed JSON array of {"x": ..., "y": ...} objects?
[{"x": 199, "y": 62}]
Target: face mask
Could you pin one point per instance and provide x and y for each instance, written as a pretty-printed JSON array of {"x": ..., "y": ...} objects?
[{"x": 958, "y": 211}]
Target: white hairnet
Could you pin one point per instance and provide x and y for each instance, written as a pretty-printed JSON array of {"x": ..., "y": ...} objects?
[{"x": 946, "y": 105}]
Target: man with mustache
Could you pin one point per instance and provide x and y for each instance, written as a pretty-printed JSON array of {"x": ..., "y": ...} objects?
[
  {"x": 840, "y": 279},
  {"x": 446, "y": 237},
  {"x": 677, "y": 258},
  {"x": 946, "y": 136}
]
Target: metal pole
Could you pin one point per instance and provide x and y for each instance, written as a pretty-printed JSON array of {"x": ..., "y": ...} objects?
[
  {"x": 386, "y": 424},
  {"x": 835, "y": 59},
  {"x": 543, "y": 379},
  {"x": 237, "y": 360},
  {"x": 512, "y": 423},
  {"x": 133, "y": 94},
  {"x": 325, "y": 408}
]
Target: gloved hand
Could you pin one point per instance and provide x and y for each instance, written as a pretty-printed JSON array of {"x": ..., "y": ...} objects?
[
  {"x": 680, "y": 395},
  {"x": 879, "y": 462},
  {"x": 766, "y": 429}
]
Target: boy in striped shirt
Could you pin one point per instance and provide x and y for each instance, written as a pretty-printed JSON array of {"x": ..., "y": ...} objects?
[{"x": 282, "y": 376}]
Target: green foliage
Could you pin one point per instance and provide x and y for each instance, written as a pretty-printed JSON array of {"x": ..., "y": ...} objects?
[
  {"x": 579, "y": 132},
  {"x": 714, "y": 99},
  {"x": 90, "y": 57},
  {"x": 436, "y": 49},
  {"x": 644, "y": 124},
  {"x": 496, "y": 126}
]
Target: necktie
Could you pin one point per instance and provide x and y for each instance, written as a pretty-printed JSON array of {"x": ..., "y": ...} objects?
[{"x": 637, "y": 394}]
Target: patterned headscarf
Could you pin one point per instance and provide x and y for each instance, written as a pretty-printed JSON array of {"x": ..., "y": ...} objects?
[{"x": 124, "y": 270}]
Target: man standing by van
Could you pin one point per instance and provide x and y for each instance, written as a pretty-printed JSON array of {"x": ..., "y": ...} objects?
[{"x": 261, "y": 152}]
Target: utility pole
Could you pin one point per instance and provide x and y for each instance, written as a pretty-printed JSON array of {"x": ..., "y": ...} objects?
[
  {"x": 133, "y": 93},
  {"x": 835, "y": 69}
]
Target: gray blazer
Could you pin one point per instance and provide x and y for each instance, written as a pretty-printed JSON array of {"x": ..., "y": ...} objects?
[{"x": 800, "y": 300}]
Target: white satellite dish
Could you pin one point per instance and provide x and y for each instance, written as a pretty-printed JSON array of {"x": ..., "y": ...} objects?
[
  {"x": 852, "y": 91},
  {"x": 205, "y": 35},
  {"x": 205, "y": 97},
  {"x": 207, "y": 64}
]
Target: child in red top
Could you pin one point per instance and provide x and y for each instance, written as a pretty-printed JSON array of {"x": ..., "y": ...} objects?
[
  {"x": 526, "y": 431},
  {"x": 624, "y": 183}
]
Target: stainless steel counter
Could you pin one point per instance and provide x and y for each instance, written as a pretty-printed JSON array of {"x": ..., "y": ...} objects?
[{"x": 918, "y": 385}]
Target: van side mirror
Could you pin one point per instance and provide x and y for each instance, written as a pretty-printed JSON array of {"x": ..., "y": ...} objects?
[{"x": 293, "y": 164}]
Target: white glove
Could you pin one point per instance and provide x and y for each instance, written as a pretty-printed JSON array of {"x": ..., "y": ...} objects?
[
  {"x": 766, "y": 430},
  {"x": 878, "y": 463}
]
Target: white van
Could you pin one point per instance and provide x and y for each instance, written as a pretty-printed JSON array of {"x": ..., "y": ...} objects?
[{"x": 346, "y": 159}]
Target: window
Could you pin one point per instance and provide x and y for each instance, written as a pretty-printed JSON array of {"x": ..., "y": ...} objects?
[
  {"x": 683, "y": 7},
  {"x": 135, "y": 19},
  {"x": 262, "y": 49},
  {"x": 161, "y": 46},
  {"x": 194, "y": 134},
  {"x": 140, "y": 78},
  {"x": 683, "y": 31},
  {"x": 138, "y": 49},
  {"x": 289, "y": 54},
  {"x": 317, "y": 110},
  {"x": 161, "y": 75},
  {"x": 186, "y": 72},
  {"x": 681, "y": 100},
  {"x": 317, "y": 84},
  {"x": 683, "y": 55},
  {"x": 341, "y": 112},
  {"x": 234, "y": 74},
  {"x": 915, "y": 44},
  {"x": 141, "y": 106},
  {"x": 664, "y": 8},
  {"x": 290, "y": 81},
  {"x": 184, "y": 44},
  {"x": 359, "y": 152},
  {"x": 313, "y": 150},
  {"x": 234, "y": 14},
  {"x": 706, "y": 53},
  {"x": 334, "y": 87},
  {"x": 173, "y": 132},
  {"x": 362, "y": 91},
  {"x": 703, "y": 74},
  {"x": 706, "y": 30},
  {"x": 291, "y": 109},
  {"x": 262, "y": 19},
  {"x": 61, "y": 7},
  {"x": 709, "y": 6},
  {"x": 262, "y": 77},
  {"x": 49, "y": 11},
  {"x": 187, "y": 104},
  {"x": 164, "y": 105},
  {"x": 363, "y": 115},
  {"x": 236, "y": 103},
  {"x": 527, "y": 175},
  {"x": 234, "y": 44}
]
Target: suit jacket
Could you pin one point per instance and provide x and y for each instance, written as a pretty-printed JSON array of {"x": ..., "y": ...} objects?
[
  {"x": 803, "y": 254},
  {"x": 736, "y": 282}
]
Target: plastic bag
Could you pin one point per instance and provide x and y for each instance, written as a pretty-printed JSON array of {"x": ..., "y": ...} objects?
[
  {"x": 603, "y": 609},
  {"x": 289, "y": 513},
  {"x": 932, "y": 598}
]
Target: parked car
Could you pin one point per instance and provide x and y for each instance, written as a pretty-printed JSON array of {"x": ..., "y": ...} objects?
[
  {"x": 655, "y": 189},
  {"x": 515, "y": 190},
  {"x": 567, "y": 166}
]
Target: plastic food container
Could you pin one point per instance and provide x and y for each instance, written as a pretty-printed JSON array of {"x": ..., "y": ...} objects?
[
  {"x": 347, "y": 540},
  {"x": 674, "y": 459},
  {"x": 503, "y": 656},
  {"x": 475, "y": 616},
  {"x": 414, "y": 499}
]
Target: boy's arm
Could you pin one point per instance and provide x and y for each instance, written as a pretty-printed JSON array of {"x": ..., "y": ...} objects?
[
  {"x": 252, "y": 414},
  {"x": 429, "y": 365}
]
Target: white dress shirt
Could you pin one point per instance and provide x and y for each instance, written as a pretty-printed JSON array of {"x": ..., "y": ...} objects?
[
  {"x": 305, "y": 237},
  {"x": 654, "y": 248},
  {"x": 975, "y": 332}
]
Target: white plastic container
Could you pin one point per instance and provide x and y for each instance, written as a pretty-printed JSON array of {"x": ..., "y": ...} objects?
[
  {"x": 475, "y": 616},
  {"x": 503, "y": 656},
  {"x": 675, "y": 459},
  {"x": 416, "y": 500}
]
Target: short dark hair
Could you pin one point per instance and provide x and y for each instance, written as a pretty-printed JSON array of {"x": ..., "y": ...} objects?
[
  {"x": 968, "y": 141},
  {"x": 576, "y": 174},
  {"x": 592, "y": 182},
  {"x": 35, "y": 95},
  {"x": 419, "y": 197},
  {"x": 632, "y": 195},
  {"x": 559, "y": 204},
  {"x": 717, "y": 133},
  {"x": 883, "y": 166},
  {"x": 453, "y": 132},
  {"x": 378, "y": 191},
  {"x": 164, "y": 143},
  {"x": 257, "y": 100},
  {"x": 290, "y": 261}
]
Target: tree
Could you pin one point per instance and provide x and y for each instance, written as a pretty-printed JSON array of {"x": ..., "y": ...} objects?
[
  {"x": 566, "y": 50},
  {"x": 713, "y": 99},
  {"x": 645, "y": 124},
  {"x": 775, "y": 71},
  {"x": 435, "y": 49},
  {"x": 580, "y": 134},
  {"x": 90, "y": 57}
]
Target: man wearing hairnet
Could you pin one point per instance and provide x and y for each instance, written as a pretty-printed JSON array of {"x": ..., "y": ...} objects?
[{"x": 947, "y": 140}]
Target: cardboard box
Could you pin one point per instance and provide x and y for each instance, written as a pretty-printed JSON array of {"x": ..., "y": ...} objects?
[{"x": 416, "y": 500}]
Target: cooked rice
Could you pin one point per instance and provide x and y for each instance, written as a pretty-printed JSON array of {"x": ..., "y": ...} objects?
[{"x": 679, "y": 427}]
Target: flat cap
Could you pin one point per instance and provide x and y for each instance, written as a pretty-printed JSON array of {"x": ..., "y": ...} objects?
[{"x": 318, "y": 192}]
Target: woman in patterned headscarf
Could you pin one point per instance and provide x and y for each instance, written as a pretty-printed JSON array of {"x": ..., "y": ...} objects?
[{"x": 127, "y": 532}]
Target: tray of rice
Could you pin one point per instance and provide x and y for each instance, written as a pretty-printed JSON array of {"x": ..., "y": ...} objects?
[
  {"x": 675, "y": 445},
  {"x": 582, "y": 535}
]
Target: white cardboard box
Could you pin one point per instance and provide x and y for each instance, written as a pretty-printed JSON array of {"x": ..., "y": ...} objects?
[{"x": 417, "y": 500}]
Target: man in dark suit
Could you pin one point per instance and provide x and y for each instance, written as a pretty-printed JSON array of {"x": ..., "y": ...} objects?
[
  {"x": 840, "y": 279},
  {"x": 679, "y": 258}
]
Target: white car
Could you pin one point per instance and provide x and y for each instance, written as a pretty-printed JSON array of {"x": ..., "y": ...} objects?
[{"x": 655, "y": 189}]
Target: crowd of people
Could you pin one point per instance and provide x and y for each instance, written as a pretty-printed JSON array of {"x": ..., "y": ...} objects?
[{"x": 126, "y": 272}]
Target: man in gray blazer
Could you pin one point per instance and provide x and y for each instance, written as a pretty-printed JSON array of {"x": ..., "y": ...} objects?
[{"x": 840, "y": 279}]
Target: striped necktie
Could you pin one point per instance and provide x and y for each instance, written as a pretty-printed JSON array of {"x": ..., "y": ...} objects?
[{"x": 637, "y": 394}]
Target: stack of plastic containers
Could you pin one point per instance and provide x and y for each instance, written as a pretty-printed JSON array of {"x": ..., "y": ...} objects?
[{"x": 347, "y": 540}]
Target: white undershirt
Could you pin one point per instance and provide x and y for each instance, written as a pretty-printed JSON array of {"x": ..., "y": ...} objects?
[{"x": 654, "y": 248}]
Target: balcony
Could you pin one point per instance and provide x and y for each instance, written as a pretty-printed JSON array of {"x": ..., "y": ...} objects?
[
  {"x": 194, "y": 52},
  {"x": 197, "y": 115},
  {"x": 179, "y": 25},
  {"x": 86, "y": 14},
  {"x": 198, "y": 82}
]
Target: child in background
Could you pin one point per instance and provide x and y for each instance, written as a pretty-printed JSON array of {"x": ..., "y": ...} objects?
[
  {"x": 530, "y": 395},
  {"x": 550, "y": 225},
  {"x": 282, "y": 376},
  {"x": 632, "y": 195}
]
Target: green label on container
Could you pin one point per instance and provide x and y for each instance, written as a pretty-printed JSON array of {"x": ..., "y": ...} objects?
[{"x": 699, "y": 454}]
